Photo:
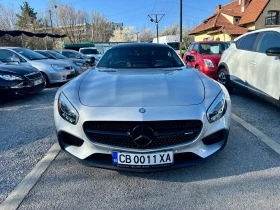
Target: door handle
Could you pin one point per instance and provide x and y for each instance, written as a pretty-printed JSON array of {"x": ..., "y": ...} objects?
[{"x": 253, "y": 63}]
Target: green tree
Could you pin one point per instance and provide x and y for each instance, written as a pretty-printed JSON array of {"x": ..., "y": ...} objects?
[{"x": 27, "y": 17}]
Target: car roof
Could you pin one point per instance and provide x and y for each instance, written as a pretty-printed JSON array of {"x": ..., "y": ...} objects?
[
  {"x": 277, "y": 29},
  {"x": 11, "y": 47},
  {"x": 208, "y": 42},
  {"x": 128, "y": 45}
]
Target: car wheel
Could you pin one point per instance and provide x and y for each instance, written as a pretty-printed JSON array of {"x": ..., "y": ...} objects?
[
  {"x": 46, "y": 79},
  {"x": 223, "y": 78},
  {"x": 197, "y": 67}
]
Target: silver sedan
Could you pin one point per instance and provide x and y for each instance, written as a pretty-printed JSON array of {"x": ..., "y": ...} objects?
[
  {"x": 53, "y": 71},
  {"x": 142, "y": 109}
]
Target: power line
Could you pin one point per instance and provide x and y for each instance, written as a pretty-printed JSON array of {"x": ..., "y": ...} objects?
[
  {"x": 156, "y": 20},
  {"x": 154, "y": 6}
]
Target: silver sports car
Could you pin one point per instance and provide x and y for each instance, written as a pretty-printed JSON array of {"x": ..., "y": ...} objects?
[{"x": 141, "y": 109}]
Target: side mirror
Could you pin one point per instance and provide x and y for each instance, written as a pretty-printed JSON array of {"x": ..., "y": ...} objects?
[
  {"x": 15, "y": 59},
  {"x": 190, "y": 58},
  {"x": 193, "y": 52},
  {"x": 273, "y": 51}
]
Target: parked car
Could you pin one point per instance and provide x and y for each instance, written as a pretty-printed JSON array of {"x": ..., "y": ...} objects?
[
  {"x": 78, "y": 55},
  {"x": 91, "y": 51},
  {"x": 142, "y": 109},
  {"x": 53, "y": 71},
  {"x": 253, "y": 62},
  {"x": 207, "y": 55},
  {"x": 18, "y": 79},
  {"x": 79, "y": 65}
]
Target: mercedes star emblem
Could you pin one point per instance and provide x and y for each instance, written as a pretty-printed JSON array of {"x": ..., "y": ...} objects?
[{"x": 142, "y": 135}]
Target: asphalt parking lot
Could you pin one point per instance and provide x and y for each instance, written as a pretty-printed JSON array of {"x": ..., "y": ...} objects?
[{"x": 245, "y": 175}]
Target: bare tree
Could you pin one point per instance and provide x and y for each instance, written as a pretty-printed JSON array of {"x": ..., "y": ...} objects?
[
  {"x": 7, "y": 18},
  {"x": 146, "y": 35},
  {"x": 101, "y": 30},
  {"x": 73, "y": 23},
  {"x": 127, "y": 34}
]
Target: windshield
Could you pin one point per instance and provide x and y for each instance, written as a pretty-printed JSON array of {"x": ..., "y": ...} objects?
[
  {"x": 29, "y": 54},
  {"x": 213, "y": 48},
  {"x": 57, "y": 55},
  {"x": 89, "y": 51},
  {"x": 140, "y": 57}
]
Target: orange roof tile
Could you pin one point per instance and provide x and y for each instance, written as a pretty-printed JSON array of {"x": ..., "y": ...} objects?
[
  {"x": 232, "y": 9},
  {"x": 253, "y": 11}
]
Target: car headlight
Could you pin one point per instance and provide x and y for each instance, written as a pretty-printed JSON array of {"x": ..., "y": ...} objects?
[
  {"x": 57, "y": 67},
  {"x": 10, "y": 77},
  {"x": 208, "y": 63},
  {"x": 67, "y": 110},
  {"x": 218, "y": 108}
]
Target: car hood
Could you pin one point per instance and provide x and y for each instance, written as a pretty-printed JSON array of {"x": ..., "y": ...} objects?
[
  {"x": 46, "y": 62},
  {"x": 145, "y": 87},
  {"x": 17, "y": 69}
]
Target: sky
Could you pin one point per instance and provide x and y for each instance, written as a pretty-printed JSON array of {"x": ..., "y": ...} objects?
[{"x": 135, "y": 12}]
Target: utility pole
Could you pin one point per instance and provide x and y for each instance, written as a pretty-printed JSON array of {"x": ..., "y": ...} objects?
[
  {"x": 137, "y": 34},
  {"x": 51, "y": 22},
  {"x": 156, "y": 20},
  {"x": 181, "y": 26}
]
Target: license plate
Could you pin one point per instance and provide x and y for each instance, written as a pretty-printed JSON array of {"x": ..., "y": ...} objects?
[
  {"x": 150, "y": 159},
  {"x": 37, "y": 82}
]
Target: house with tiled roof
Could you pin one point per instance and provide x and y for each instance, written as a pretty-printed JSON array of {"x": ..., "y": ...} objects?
[{"x": 237, "y": 18}]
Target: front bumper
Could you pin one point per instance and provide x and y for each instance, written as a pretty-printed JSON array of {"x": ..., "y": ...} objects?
[
  {"x": 101, "y": 160},
  {"x": 61, "y": 76},
  {"x": 100, "y": 155},
  {"x": 22, "y": 88}
]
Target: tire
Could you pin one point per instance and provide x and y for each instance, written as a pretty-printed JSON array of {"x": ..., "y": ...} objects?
[
  {"x": 197, "y": 67},
  {"x": 46, "y": 79},
  {"x": 223, "y": 78}
]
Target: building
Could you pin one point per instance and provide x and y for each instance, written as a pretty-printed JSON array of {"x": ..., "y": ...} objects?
[
  {"x": 116, "y": 26},
  {"x": 238, "y": 17}
]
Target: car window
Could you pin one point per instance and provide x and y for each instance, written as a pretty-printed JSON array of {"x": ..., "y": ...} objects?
[
  {"x": 45, "y": 54},
  {"x": 268, "y": 40},
  {"x": 7, "y": 56},
  {"x": 57, "y": 55},
  {"x": 196, "y": 47},
  {"x": 190, "y": 47},
  {"x": 29, "y": 54},
  {"x": 213, "y": 48},
  {"x": 89, "y": 51},
  {"x": 140, "y": 57},
  {"x": 69, "y": 54},
  {"x": 247, "y": 42}
]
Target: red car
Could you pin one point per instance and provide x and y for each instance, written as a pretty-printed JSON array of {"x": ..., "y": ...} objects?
[{"x": 206, "y": 56}]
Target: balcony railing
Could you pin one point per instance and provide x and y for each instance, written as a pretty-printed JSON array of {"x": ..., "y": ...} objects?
[{"x": 274, "y": 20}]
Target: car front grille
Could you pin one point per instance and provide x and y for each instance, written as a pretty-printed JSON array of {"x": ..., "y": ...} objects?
[
  {"x": 33, "y": 76},
  {"x": 70, "y": 76},
  {"x": 120, "y": 134}
]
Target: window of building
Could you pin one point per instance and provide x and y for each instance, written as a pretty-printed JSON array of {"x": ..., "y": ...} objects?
[{"x": 272, "y": 17}]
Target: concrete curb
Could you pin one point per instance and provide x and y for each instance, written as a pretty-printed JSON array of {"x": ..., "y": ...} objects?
[
  {"x": 260, "y": 135},
  {"x": 13, "y": 201}
]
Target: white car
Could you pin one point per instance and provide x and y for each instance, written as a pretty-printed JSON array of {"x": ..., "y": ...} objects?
[
  {"x": 253, "y": 62},
  {"x": 142, "y": 109},
  {"x": 91, "y": 51}
]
